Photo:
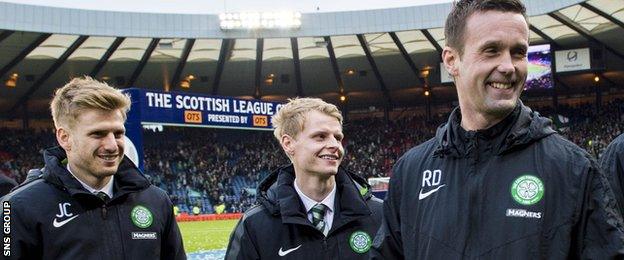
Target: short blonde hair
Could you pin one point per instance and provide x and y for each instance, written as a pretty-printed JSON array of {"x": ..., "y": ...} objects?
[
  {"x": 83, "y": 93},
  {"x": 290, "y": 118}
]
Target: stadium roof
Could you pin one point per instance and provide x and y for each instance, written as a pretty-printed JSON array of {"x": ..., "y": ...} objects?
[
  {"x": 374, "y": 57},
  {"x": 216, "y": 7}
]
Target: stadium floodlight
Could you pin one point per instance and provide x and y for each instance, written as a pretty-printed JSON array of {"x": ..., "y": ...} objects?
[
  {"x": 12, "y": 81},
  {"x": 256, "y": 20}
]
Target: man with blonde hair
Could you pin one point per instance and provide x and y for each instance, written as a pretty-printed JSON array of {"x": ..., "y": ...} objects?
[
  {"x": 312, "y": 208},
  {"x": 90, "y": 201}
]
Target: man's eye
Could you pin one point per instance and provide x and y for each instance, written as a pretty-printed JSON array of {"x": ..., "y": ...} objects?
[{"x": 490, "y": 50}]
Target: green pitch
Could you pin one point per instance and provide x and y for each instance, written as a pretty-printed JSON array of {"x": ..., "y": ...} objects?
[{"x": 206, "y": 235}]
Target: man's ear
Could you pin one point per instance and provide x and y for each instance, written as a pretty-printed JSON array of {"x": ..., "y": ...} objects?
[
  {"x": 450, "y": 57},
  {"x": 63, "y": 138},
  {"x": 288, "y": 144}
]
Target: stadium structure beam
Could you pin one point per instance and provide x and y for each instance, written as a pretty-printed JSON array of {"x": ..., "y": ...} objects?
[
  {"x": 259, "y": 51},
  {"x": 603, "y": 14},
  {"x": 371, "y": 60},
  {"x": 583, "y": 32},
  {"x": 226, "y": 45},
  {"x": 5, "y": 34},
  {"x": 25, "y": 116},
  {"x": 109, "y": 52},
  {"x": 406, "y": 56},
  {"x": 49, "y": 72},
  {"x": 544, "y": 36},
  {"x": 23, "y": 53},
  {"x": 295, "y": 50},
  {"x": 432, "y": 41},
  {"x": 185, "y": 53},
  {"x": 139, "y": 68},
  {"x": 334, "y": 63},
  {"x": 560, "y": 82},
  {"x": 611, "y": 82}
]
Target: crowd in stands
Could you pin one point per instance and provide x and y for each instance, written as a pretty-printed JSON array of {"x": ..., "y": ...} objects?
[
  {"x": 217, "y": 170},
  {"x": 373, "y": 145},
  {"x": 589, "y": 127},
  {"x": 22, "y": 150},
  {"x": 208, "y": 167}
]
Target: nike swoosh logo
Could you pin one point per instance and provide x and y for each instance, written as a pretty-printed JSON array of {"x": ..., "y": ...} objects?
[
  {"x": 283, "y": 253},
  {"x": 426, "y": 194},
  {"x": 57, "y": 224}
]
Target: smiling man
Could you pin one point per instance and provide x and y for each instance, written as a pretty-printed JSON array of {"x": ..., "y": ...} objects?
[
  {"x": 497, "y": 182},
  {"x": 313, "y": 208},
  {"x": 90, "y": 201}
]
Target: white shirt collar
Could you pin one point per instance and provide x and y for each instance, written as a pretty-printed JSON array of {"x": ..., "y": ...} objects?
[
  {"x": 108, "y": 188},
  {"x": 309, "y": 203}
]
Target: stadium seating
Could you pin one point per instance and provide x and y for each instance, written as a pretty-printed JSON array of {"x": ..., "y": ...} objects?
[{"x": 212, "y": 167}]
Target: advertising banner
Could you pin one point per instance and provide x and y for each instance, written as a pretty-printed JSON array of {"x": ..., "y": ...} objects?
[{"x": 572, "y": 60}]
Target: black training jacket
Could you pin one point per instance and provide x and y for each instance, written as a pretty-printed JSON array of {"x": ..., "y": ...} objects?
[
  {"x": 54, "y": 217},
  {"x": 278, "y": 227},
  {"x": 612, "y": 163},
  {"x": 516, "y": 190}
]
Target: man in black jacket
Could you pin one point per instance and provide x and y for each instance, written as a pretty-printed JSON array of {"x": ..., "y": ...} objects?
[
  {"x": 496, "y": 182},
  {"x": 89, "y": 202},
  {"x": 612, "y": 163},
  {"x": 312, "y": 209}
]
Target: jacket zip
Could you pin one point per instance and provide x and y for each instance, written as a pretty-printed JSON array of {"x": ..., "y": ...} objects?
[
  {"x": 104, "y": 211},
  {"x": 473, "y": 200}
]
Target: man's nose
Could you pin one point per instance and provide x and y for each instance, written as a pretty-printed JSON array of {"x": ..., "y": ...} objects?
[
  {"x": 506, "y": 65},
  {"x": 110, "y": 142}
]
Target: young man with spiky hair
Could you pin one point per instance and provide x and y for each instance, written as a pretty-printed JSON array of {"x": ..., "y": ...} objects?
[
  {"x": 313, "y": 208},
  {"x": 497, "y": 182},
  {"x": 90, "y": 201}
]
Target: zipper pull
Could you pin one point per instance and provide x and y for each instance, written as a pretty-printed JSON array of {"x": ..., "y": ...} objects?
[
  {"x": 104, "y": 211},
  {"x": 104, "y": 197}
]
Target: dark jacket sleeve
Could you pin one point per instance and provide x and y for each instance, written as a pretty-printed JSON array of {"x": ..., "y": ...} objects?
[
  {"x": 387, "y": 243},
  {"x": 25, "y": 238},
  {"x": 612, "y": 164},
  {"x": 598, "y": 233},
  {"x": 172, "y": 246},
  {"x": 241, "y": 246}
]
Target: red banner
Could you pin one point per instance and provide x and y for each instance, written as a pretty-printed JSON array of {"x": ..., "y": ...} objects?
[{"x": 207, "y": 217}]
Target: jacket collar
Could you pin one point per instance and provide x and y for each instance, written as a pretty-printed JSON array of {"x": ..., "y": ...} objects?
[
  {"x": 128, "y": 178},
  {"x": 521, "y": 127},
  {"x": 278, "y": 195}
]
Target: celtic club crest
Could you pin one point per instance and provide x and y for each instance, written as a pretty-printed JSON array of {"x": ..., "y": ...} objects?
[{"x": 527, "y": 189}]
